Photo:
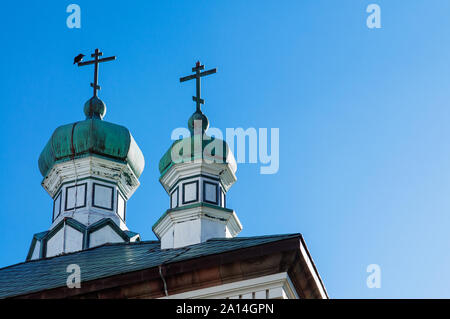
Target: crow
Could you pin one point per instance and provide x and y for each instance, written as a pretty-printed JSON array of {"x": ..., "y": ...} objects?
[{"x": 78, "y": 58}]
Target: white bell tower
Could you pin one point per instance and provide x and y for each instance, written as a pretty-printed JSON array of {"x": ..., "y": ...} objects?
[
  {"x": 90, "y": 169},
  {"x": 197, "y": 173}
]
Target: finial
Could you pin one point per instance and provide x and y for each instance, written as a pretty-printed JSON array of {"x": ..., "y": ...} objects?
[
  {"x": 96, "y": 62},
  {"x": 198, "y": 116},
  {"x": 95, "y": 108},
  {"x": 198, "y": 67}
]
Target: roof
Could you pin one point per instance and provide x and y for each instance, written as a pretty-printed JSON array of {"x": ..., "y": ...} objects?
[
  {"x": 209, "y": 147},
  {"x": 217, "y": 151},
  {"x": 92, "y": 136},
  {"x": 113, "y": 259}
]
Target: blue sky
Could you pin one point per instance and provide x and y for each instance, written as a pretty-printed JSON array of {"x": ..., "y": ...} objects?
[{"x": 363, "y": 117}]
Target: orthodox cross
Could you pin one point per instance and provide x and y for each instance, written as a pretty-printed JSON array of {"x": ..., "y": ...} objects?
[
  {"x": 96, "y": 61},
  {"x": 198, "y": 67}
]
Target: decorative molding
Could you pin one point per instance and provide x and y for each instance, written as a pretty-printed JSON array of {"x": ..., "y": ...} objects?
[
  {"x": 185, "y": 170},
  {"x": 276, "y": 286},
  {"x": 88, "y": 178},
  {"x": 226, "y": 217},
  {"x": 91, "y": 167}
]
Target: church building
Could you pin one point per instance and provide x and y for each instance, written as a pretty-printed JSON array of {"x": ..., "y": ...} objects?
[{"x": 91, "y": 168}]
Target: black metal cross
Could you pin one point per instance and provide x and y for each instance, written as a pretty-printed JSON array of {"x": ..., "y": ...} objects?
[
  {"x": 96, "y": 61},
  {"x": 198, "y": 67}
]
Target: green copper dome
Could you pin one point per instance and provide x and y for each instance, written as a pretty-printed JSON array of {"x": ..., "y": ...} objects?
[
  {"x": 211, "y": 148},
  {"x": 92, "y": 136}
]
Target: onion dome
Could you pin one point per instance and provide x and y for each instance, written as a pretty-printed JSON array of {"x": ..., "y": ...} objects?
[
  {"x": 217, "y": 151},
  {"x": 92, "y": 137}
]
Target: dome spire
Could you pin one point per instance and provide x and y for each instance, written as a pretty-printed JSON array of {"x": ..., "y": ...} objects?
[
  {"x": 198, "y": 114},
  {"x": 94, "y": 107},
  {"x": 96, "y": 62},
  {"x": 197, "y": 172},
  {"x": 91, "y": 168}
]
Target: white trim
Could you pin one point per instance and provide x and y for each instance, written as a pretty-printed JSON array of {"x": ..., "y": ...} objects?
[
  {"x": 277, "y": 286},
  {"x": 194, "y": 221},
  {"x": 229, "y": 219},
  {"x": 312, "y": 270},
  {"x": 91, "y": 166},
  {"x": 217, "y": 170}
]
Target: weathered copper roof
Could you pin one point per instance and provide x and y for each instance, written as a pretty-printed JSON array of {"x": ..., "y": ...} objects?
[
  {"x": 92, "y": 136},
  {"x": 220, "y": 153},
  {"x": 224, "y": 155}
]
